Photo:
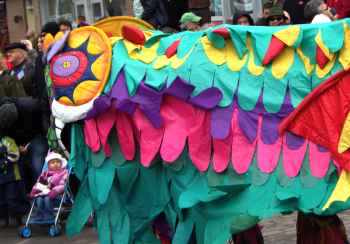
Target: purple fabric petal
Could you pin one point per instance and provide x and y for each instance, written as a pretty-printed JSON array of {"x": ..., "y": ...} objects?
[
  {"x": 180, "y": 89},
  {"x": 293, "y": 141},
  {"x": 120, "y": 90},
  {"x": 57, "y": 46},
  {"x": 150, "y": 101},
  {"x": 126, "y": 106},
  {"x": 286, "y": 107},
  {"x": 208, "y": 98},
  {"x": 322, "y": 149},
  {"x": 248, "y": 122},
  {"x": 221, "y": 122},
  {"x": 101, "y": 105},
  {"x": 269, "y": 131}
]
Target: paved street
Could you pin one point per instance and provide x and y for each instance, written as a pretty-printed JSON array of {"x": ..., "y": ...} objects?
[{"x": 279, "y": 230}]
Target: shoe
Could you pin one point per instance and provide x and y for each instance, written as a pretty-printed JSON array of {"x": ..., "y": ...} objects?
[{"x": 4, "y": 222}]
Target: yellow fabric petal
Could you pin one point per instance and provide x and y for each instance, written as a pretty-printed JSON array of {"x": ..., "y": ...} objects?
[
  {"x": 306, "y": 60},
  {"x": 99, "y": 66},
  {"x": 289, "y": 35},
  {"x": 233, "y": 61},
  {"x": 177, "y": 62},
  {"x": 161, "y": 62},
  {"x": 252, "y": 67},
  {"x": 48, "y": 40},
  {"x": 344, "y": 55},
  {"x": 147, "y": 55},
  {"x": 77, "y": 38},
  {"x": 282, "y": 63},
  {"x": 59, "y": 35},
  {"x": 324, "y": 48},
  {"x": 66, "y": 101},
  {"x": 114, "y": 39},
  {"x": 86, "y": 91},
  {"x": 215, "y": 55},
  {"x": 131, "y": 47},
  {"x": 344, "y": 141},
  {"x": 341, "y": 192}
]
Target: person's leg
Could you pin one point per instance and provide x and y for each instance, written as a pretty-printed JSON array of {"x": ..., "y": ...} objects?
[
  {"x": 49, "y": 211},
  {"x": 16, "y": 204},
  {"x": 3, "y": 207},
  {"x": 38, "y": 150}
]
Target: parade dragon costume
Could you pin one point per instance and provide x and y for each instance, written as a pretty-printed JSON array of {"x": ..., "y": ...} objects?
[{"x": 216, "y": 129}]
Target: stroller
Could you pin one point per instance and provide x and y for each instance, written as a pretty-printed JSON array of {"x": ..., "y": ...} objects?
[{"x": 66, "y": 198}]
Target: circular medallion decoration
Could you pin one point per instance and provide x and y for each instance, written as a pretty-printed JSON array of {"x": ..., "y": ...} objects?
[{"x": 80, "y": 71}]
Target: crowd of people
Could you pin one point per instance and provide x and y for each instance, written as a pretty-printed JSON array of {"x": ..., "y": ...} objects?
[{"x": 25, "y": 103}]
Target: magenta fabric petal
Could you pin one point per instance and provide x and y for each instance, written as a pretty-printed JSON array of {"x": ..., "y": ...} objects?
[
  {"x": 319, "y": 161},
  {"x": 222, "y": 153},
  {"x": 293, "y": 158},
  {"x": 91, "y": 135},
  {"x": 267, "y": 154},
  {"x": 105, "y": 122},
  {"x": 150, "y": 138},
  {"x": 242, "y": 148},
  {"x": 125, "y": 135},
  {"x": 178, "y": 119},
  {"x": 199, "y": 140}
]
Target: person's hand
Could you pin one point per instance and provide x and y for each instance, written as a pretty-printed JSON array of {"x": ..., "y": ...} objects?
[
  {"x": 23, "y": 149},
  {"x": 28, "y": 44}
]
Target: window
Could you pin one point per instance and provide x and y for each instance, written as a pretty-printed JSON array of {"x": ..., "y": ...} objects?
[
  {"x": 96, "y": 11},
  {"x": 81, "y": 10}
]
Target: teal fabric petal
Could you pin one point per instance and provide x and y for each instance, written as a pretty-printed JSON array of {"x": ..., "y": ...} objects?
[
  {"x": 188, "y": 41},
  {"x": 227, "y": 82},
  {"x": 156, "y": 35},
  {"x": 119, "y": 56},
  {"x": 258, "y": 177},
  {"x": 309, "y": 47},
  {"x": 183, "y": 232},
  {"x": 216, "y": 40},
  {"x": 80, "y": 154},
  {"x": 103, "y": 227},
  {"x": 274, "y": 92},
  {"x": 98, "y": 158},
  {"x": 329, "y": 32},
  {"x": 135, "y": 72},
  {"x": 261, "y": 41},
  {"x": 165, "y": 42},
  {"x": 101, "y": 179},
  {"x": 249, "y": 89},
  {"x": 239, "y": 39},
  {"x": 117, "y": 156},
  {"x": 81, "y": 210},
  {"x": 156, "y": 78}
]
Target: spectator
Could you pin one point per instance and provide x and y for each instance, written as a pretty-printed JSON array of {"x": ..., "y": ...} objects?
[
  {"x": 342, "y": 7},
  {"x": 12, "y": 197},
  {"x": 190, "y": 21},
  {"x": 267, "y": 5},
  {"x": 276, "y": 16},
  {"x": 296, "y": 10},
  {"x": 242, "y": 19},
  {"x": 155, "y": 12},
  {"x": 81, "y": 21},
  {"x": 288, "y": 19},
  {"x": 200, "y": 8},
  {"x": 65, "y": 25},
  {"x": 317, "y": 11}
]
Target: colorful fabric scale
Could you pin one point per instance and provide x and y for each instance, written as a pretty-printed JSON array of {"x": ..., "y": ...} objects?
[{"x": 215, "y": 129}]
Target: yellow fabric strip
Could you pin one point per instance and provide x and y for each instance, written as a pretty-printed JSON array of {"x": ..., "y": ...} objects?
[
  {"x": 341, "y": 192},
  {"x": 344, "y": 141}
]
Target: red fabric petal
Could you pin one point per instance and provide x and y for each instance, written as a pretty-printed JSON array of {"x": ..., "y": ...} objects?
[
  {"x": 321, "y": 115},
  {"x": 125, "y": 135},
  {"x": 321, "y": 58},
  {"x": 150, "y": 138},
  {"x": 222, "y": 153},
  {"x": 275, "y": 48},
  {"x": 242, "y": 149},
  {"x": 105, "y": 123},
  {"x": 172, "y": 49},
  {"x": 199, "y": 140},
  {"x": 133, "y": 34},
  {"x": 91, "y": 135},
  {"x": 178, "y": 119},
  {"x": 222, "y": 32}
]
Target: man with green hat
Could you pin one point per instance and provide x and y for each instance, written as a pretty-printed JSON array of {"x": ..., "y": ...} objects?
[
  {"x": 276, "y": 16},
  {"x": 190, "y": 21}
]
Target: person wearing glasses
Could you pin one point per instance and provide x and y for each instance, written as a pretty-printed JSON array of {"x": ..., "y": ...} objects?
[{"x": 276, "y": 16}]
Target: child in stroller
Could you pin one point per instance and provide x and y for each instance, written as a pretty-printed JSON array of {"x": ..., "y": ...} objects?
[{"x": 50, "y": 184}]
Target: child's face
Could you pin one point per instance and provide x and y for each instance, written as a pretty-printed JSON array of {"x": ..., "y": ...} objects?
[{"x": 55, "y": 164}]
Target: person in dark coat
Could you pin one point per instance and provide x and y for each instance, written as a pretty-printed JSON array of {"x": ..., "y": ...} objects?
[
  {"x": 200, "y": 8},
  {"x": 296, "y": 10},
  {"x": 155, "y": 12},
  {"x": 242, "y": 18}
]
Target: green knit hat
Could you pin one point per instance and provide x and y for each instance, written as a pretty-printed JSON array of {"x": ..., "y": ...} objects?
[{"x": 190, "y": 17}]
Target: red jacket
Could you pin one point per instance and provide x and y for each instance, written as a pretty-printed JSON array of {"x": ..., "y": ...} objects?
[{"x": 342, "y": 7}]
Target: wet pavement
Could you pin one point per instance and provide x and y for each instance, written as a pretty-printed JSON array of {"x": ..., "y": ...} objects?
[{"x": 278, "y": 230}]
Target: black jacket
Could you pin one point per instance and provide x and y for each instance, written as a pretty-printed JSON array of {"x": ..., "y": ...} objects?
[{"x": 155, "y": 12}]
